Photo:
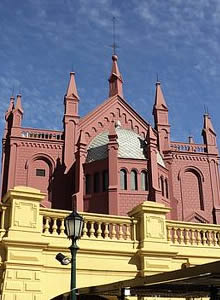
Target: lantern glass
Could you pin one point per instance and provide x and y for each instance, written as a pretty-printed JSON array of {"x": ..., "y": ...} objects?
[{"x": 73, "y": 225}]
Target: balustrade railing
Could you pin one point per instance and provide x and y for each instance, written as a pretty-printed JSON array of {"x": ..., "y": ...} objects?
[
  {"x": 193, "y": 234},
  {"x": 42, "y": 134},
  {"x": 102, "y": 227},
  {"x": 186, "y": 147}
]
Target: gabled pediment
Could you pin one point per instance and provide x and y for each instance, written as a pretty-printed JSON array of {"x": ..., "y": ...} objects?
[
  {"x": 113, "y": 109},
  {"x": 197, "y": 218}
]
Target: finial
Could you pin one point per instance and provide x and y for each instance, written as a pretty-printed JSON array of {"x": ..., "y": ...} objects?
[
  {"x": 114, "y": 45},
  {"x": 206, "y": 111},
  {"x": 158, "y": 81}
]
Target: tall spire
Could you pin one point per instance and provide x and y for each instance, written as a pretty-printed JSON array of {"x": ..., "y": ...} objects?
[
  {"x": 18, "y": 105},
  {"x": 209, "y": 135},
  {"x": 71, "y": 89},
  {"x": 160, "y": 102},
  {"x": 161, "y": 123},
  {"x": 115, "y": 79},
  {"x": 10, "y": 107},
  {"x": 70, "y": 121}
]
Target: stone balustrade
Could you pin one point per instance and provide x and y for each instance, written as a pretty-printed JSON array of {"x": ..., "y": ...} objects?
[
  {"x": 112, "y": 248},
  {"x": 95, "y": 226},
  {"x": 186, "y": 147},
  {"x": 193, "y": 234},
  {"x": 42, "y": 134}
]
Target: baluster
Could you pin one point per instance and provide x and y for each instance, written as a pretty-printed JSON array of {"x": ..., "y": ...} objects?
[
  {"x": 121, "y": 233},
  {"x": 214, "y": 239},
  {"x": 54, "y": 227},
  {"x": 186, "y": 236},
  {"x": 193, "y": 240},
  {"x": 62, "y": 227},
  {"x": 106, "y": 231},
  {"x": 175, "y": 235},
  {"x": 218, "y": 238},
  {"x": 99, "y": 230},
  {"x": 134, "y": 224},
  {"x": 46, "y": 225},
  {"x": 92, "y": 230},
  {"x": 3, "y": 208},
  {"x": 127, "y": 232},
  {"x": 198, "y": 237},
  {"x": 85, "y": 228},
  {"x": 208, "y": 237},
  {"x": 181, "y": 238},
  {"x": 113, "y": 231},
  {"x": 168, "y": 233},
  {"x": 203, "y": 237}
]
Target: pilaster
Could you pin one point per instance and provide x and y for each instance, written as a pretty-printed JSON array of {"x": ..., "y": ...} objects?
[{"x": 23, "y": 223}]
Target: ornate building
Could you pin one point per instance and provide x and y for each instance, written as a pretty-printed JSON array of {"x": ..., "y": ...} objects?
[{"x": 111, "y": 160}]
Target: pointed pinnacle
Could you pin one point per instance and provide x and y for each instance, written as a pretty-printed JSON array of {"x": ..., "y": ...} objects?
[
  {"x": 18, "y": 103},
  {"x": 159, "y": 98},
  {"x": 71, "y": 89}
]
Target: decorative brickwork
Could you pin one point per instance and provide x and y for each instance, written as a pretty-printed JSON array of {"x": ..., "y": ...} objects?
[{"x": 96, "y": 162}]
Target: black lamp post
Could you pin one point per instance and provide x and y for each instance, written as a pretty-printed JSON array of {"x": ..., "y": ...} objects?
[{"x": 73, "y": 225}]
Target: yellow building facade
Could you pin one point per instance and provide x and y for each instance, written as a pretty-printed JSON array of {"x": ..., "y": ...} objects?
[{"x": 112, "y": 248}]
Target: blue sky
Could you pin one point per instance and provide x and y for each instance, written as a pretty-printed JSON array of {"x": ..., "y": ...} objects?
[{"x": 43, "y": 40}]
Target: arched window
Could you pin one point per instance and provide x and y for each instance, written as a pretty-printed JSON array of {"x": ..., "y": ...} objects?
[
  {"x": 96, "y": 183},
  {"x": 123, "y": 179},
  {"x": 166, "y": 188},
  {"x": 88, "y": 184},
  {"x": 144, "y": 181},
  {"x": 105, "y": 181},
  {"x": 162, "y": 185},
  {"x": 134, "y": 183}
]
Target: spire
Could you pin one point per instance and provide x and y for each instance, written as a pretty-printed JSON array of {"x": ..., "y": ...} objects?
[
  {"x": 18, "y": 105},
  {"x": 161, "y": 122},
  {"x": 71, "y": 89},
  {"x": 209, "y": 135},
  {"x": 160, "y": 102},
  {"x": 208, "y": 124},
  {"x": 115, "y": 79},
  {"x": 10, "y": 107}
]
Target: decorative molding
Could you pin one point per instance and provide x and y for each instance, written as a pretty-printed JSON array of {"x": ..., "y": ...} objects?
[
  {"x": 155, "y": 227},
  {"x": 23, "y": 209},
  {"x": 41, "y": 145}
]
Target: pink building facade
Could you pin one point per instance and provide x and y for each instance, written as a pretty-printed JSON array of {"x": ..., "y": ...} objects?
[{"x": 112, "y": 159}]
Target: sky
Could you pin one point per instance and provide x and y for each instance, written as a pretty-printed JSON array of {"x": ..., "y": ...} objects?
[{"x": 43, "y": 40}]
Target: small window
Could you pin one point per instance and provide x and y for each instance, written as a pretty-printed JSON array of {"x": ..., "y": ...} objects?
[
  {"x": 105, "y": 181},
  {"x": 162, "y": 185},
  {"x": 144, "y": 181},
  {"x": 96, "y": 182},
  {"x": 123, "y": 179},
  {"x": 40, "y": 172},
  {"x": 134, "y": 184},
  {"x": 166, "y": 188},
  {"x": 88, "y": 184}
]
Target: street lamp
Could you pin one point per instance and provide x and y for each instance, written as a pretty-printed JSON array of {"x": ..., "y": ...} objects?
[{"x": 73, "y": 225}]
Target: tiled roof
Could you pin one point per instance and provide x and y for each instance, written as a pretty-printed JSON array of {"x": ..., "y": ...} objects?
[{"x": 131, "y": 145}]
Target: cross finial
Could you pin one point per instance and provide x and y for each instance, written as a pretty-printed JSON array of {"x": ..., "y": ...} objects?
[{"x": 114, "y": 46}]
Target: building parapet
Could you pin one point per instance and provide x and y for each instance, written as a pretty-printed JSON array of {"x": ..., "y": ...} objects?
[
  {"x": 187, "y": 147},
  {"x": 42, "y": 134}
]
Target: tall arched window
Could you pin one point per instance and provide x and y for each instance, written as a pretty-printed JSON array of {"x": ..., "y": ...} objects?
[
  {"x": 134, "y": 183},
  {"x": 162, "y": 185},
  {"x": 166, "y": 188},
  {"x": 144, "y": 181},
  {"x": 123, "y": 179}
]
